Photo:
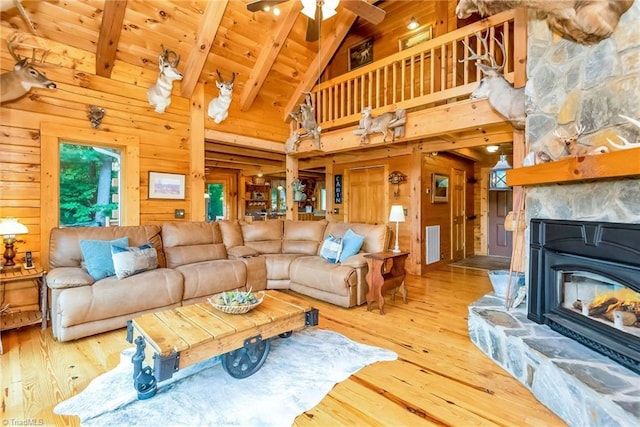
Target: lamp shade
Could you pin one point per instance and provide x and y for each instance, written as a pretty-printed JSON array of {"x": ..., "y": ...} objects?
[
  {"x": 396, "y": 214},
  {"x": 11, "y": 227},
  {"x": 498, "y": 174},
  {"x": 328, "y": 8}
]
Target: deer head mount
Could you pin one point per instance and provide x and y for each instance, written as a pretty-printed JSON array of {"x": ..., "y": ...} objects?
[
  {"x": 583, "y": 21},
  {"x": 503, "y": 97},
  {"x": 18, "y": 82},
  {"x": 219, "y": 107},
  {"x": 159, "y": 94}
]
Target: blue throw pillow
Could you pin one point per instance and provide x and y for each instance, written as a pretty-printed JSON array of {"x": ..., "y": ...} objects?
[
  {"x": 351, "y": 244},
  {"x": 331, "y": 248},
  {"x": 97, "y": 256},
  {"x": 130, "y": 261}
]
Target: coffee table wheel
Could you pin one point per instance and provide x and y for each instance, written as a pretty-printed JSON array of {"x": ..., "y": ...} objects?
[
  {"x": 285, "y": 334},
  {"x": 247, "y": 360}
]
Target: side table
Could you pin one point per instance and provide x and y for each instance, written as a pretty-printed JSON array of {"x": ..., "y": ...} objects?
[
  {"x": 386, "y": 271},
  {"x": 12, "y": 320}
]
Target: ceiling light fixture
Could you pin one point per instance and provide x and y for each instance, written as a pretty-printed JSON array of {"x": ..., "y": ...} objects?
[
  {"x": 413, "y": 24},
  {"x": 328, "y": 8},
  {"x": 276, "y": 11},
  {"x": 498, "y": 174},
  {"x": 492, "y": 148}
]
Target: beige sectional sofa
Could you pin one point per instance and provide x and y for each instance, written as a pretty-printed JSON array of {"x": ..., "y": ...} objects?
[{"x": 199, "y": 259}]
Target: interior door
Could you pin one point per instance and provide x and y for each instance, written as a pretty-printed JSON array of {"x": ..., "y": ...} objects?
[
  {"x": 458, "y": 214},
  {"x": 366, "y": 189},
  {"x": 500, "y": 240}
]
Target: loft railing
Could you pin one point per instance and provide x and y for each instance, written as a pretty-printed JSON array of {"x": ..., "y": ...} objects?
[{"x": 427, "y": 74}]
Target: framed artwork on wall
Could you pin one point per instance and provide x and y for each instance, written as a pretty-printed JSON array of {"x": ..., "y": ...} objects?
[
  {"x": 415, "y": 37},
  {"x": 166, "y": 185},
  {"x": 360, "y": 54},
  {"x": 440, "y": 188}
]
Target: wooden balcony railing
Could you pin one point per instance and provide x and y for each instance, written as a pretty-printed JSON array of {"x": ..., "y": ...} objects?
[{"x": 424, "y": 75}]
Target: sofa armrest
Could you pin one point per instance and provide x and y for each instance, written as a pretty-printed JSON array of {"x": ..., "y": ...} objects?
[
  {"x": 356, "y": 261},
  {"x": 241, "y": 252},
  {"x": 68, "y": 277}
]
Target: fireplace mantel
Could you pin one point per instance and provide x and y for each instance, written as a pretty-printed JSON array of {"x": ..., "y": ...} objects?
[{"x": 616, "y": 164}]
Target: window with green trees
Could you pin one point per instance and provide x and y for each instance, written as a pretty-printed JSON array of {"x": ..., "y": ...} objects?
[{"x": 89, "y": 185}]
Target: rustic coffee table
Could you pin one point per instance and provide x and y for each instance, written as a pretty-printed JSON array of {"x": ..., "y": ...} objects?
[{"x": 182, "y": 336}]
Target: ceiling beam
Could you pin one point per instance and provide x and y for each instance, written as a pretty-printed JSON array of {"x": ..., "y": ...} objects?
[
  {"x": 207, "y": 30},
  {"x": 328, "y": 46},
  {"x": 245, "y": 160},
  {"x": 110, "y": 30},
  {"x": 243, "y": 141},
  {"x": 468, "y": 153},
  {"x": 268, "y": 55},
  {"x": 211, "y": 147}
]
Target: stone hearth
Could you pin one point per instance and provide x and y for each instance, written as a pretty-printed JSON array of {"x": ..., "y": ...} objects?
[{"x": 581, "y": 386}]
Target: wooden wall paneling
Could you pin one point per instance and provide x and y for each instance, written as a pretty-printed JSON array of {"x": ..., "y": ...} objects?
[
  {"x": 415, "y": 217},
  {"x": 196, "y": 150}
]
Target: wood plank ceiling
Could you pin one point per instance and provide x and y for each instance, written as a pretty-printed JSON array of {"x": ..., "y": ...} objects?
[{"x": 269, "y": 54}]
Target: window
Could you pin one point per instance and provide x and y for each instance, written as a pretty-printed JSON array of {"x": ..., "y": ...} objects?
[
  {"x": 215, "y": 201},
  {"x": 278, "y": 196},
  {"x": 89, "y": 185}
]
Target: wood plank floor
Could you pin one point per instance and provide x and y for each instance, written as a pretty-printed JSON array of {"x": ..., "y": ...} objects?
[{"x": 440, "y": 377}]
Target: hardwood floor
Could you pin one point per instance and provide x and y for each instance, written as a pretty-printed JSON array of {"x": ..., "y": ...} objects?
[{"x": 440, "y": 377}]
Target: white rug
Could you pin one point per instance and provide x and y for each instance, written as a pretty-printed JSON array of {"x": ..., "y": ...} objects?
[{"x": 298, "y": 373}]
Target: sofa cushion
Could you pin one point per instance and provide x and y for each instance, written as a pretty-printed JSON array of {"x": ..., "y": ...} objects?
[
  {"x": 376, "y": 237},
  {"x": 263, "y": 236},
  {"x": 302, "y": 237},
  {"x": 134, "y": 260},
  {"x": 278, "y": 265},
  {"x": 206, "y": 278},
  {"x": 331, "y": 248},
  {"x": 351, "y": 244},
  {"x": 97, "y": 256},
  {"x": 111, "y": 297},
  {"x": 190, "y": 242},
  {"x": 316, "y": 272},
  {"x": 64, "y": 243},
  {"x": 231, "y": 233}
]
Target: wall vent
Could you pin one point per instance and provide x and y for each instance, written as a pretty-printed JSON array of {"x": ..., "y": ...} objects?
[{"x": 432, "y": 243}]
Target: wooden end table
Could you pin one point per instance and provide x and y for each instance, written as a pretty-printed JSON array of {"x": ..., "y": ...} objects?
[
  {"x": 17, "y": 319},
  {"x": 386, "y": 271}
]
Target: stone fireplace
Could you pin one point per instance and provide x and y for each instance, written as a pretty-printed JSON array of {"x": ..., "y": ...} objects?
[
  {"x": 576, "y": 86},
  {"x": 584, "y": 282}
]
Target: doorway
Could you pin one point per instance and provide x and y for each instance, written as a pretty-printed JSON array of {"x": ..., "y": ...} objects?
[{"x": 500, "y": 240}]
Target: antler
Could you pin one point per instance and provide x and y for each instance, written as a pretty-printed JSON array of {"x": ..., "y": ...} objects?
[
  {"x": 568, "y": 138},
  {"x": 166, "y": 53},
  {"x": 233, "y": 77},
  {"x": 11, "y": 43},
  {"x": 625, "y": 144},
  {"x": 486, "y": 56}
]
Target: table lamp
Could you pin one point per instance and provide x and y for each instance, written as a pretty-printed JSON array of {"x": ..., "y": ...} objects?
[
  {"x": 9, "y": 228},
  {"x": 397, "y": 215}
]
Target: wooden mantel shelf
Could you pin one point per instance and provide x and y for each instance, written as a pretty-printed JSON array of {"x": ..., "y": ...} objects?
[{"x": 598, "y": 166}]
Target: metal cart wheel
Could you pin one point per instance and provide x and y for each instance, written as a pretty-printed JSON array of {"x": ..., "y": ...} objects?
[{"x": 247, "y": 360}]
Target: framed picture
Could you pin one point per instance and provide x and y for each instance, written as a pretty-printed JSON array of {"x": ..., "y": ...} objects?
[
  {"x": 415, "y": 37},
  {"x": 166, "y": 185},
  {"x": 440, "y": 188},
  {"x": 360, "y": 54}
]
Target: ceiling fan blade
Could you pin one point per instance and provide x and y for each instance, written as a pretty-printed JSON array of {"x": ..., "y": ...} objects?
[
  {"x": 258, "y": 5},
  {"x": 365, "y": 10},
  {"x": 313, "y": 25}
]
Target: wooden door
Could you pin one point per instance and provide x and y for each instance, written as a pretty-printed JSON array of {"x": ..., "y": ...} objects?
[
  {"x": 366, "y": 201},
  {"x": 500, "y": 240},
  {"x": 458, "y": 214}
]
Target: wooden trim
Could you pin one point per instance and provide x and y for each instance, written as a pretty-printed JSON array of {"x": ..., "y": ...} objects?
[
  {"x": 51, "y": 134},
  {"x": 600, "y": 166},
  {"x": 197, "y": 175}
]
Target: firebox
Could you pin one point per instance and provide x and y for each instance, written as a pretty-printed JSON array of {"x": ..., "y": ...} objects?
[{"x": 584, "y": 282}]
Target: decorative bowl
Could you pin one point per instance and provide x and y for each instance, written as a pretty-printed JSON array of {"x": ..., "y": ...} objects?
[{"x": 239, "y": 308}]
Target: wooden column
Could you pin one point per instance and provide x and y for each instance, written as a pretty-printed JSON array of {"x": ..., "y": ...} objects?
[
  {"x": 330, "y": 187},
  {"x": 414, "y": 264},
  {"x": 198, "y": 205},
  {"x": 292, "y": 173}
]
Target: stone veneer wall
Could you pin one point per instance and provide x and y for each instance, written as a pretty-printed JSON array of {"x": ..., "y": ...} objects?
[{"x": 570, "y": 84}]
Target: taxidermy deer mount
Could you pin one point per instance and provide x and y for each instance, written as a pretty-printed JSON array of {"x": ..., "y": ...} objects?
[
  {"x": 306, "y": 120},
  {"x": 389, "y": 122},
  {"x": 503, "y": 97},
  {"x": 583, "y": 21},
  {"x": 159, "y": 94},
  {"x": 219, "y": 107},
  {"x": 18, "y": 82}
]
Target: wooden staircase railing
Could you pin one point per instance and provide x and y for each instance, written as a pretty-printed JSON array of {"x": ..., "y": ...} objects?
[{"x": 422, "y": 76}]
